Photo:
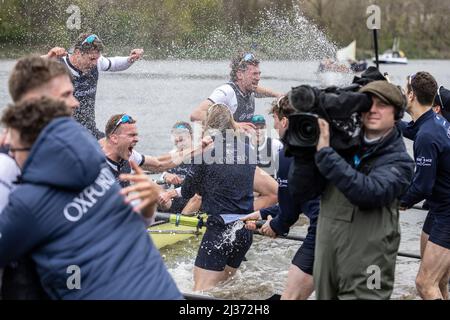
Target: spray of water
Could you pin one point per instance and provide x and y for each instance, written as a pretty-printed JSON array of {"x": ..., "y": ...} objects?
[
  {"x": 280, "y": 35},
  {"x": 229, "y": 235}
]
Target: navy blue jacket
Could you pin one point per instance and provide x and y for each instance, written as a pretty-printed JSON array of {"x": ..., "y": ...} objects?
[
  {"x": 375, "y": 177},
  {"x": 431, "y": 135},
  {"x": 285, "y": 213},
  {"x": 68, "y": 215},
  {"x": 223, "y": 178}
]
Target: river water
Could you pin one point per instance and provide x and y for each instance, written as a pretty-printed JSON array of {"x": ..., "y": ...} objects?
[{"x": 159, "y": 93}]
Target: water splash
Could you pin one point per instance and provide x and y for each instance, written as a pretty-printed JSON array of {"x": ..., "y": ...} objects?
[
  {"x": 280, "y": 35},
  {"x": 229, "y": 235}
]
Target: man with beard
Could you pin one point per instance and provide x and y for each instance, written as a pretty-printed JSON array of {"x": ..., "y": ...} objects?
[{"x": 239, "y": 93}]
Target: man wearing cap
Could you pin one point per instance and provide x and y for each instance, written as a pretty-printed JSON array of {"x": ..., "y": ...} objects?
[
  {"x": 266, "y": 147},
  {"x": 84, "y": 64},
  {"x": 239, "y": 93},
  {"x": 358, "y": 232},
  {"x": 431, "y": 134}
]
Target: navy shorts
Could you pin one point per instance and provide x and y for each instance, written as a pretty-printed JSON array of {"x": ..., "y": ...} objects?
[
  {"x": 217, "y": 250},
  {"x": 437, "y": 226},
  {"x": 304, "y": 258}
]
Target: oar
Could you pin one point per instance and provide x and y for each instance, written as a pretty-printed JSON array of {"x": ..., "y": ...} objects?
[
  {"x": 260, "y": 223},
  {"x": 177, "y": 219},
  {"x": 173, "y": 232},
  {"x": 193, "y": 221}
]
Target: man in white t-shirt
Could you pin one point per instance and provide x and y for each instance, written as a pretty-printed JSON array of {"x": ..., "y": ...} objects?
[{"x": 239, "y": 93}]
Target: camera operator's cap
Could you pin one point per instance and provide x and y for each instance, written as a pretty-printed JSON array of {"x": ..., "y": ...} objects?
[
  {"x": 258, "y": 119},
  {"x": 443, "y": 98},
  {"x": 387, "y": 92}
]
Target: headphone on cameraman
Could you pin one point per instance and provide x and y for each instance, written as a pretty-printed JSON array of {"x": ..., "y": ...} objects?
[{"x": 400, "y": 112}]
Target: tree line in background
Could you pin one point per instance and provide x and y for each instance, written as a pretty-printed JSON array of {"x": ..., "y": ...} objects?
[{"x": 217, "y": 28}]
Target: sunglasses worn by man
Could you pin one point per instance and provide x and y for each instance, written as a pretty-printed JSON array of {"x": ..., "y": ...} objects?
[{"x": 124, "y": 119}]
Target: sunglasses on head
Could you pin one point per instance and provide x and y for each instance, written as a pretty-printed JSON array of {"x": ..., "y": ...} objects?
[
  {"x": 440, "y": 98},
  {"x": 124, "y": 119},
  {"x": 181, "y": 126},
  {"x": 279, "y": 101},
  {"x": 410, "y": 79},
  {"x": 258, "y": 119},
  {"x": 90, "y": 39},
  {"x": 248, "y": 57}
]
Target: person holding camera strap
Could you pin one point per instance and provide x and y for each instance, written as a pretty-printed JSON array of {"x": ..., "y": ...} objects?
[{"x": 358, "y": 232}]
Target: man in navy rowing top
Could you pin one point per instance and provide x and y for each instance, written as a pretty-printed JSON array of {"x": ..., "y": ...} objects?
[
  {"x": 431, "y": 135},
  {"x": 225, "y": 178},
  {"x": 84, "y": 64}
]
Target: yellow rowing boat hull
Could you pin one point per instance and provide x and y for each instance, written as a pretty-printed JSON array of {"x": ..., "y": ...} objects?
[{"x": 164, "y": 240}]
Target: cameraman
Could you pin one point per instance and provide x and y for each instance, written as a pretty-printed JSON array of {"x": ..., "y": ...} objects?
[{"x": 358, "y": 233}]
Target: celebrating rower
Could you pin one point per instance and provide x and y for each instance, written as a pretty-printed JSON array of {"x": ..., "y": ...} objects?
[{"x": 84, "y": 64}]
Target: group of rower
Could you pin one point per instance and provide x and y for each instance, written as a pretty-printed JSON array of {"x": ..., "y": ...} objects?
[{"x": 76, "y": 201}]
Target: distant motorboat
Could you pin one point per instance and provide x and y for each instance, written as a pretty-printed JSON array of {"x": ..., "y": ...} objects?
[{"x": 394, "y": 55}]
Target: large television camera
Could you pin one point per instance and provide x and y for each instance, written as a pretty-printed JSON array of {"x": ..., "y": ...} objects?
[{"x": 341, "y": 107}]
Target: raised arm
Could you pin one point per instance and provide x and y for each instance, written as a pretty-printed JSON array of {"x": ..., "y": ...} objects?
[
  {"x": 262, "y": 92},
  {"x": 119, "y": 63},
  {"x": 172, "y": 160},
  {"x": 56, "y": 52},
  {"x": 199, "y": 113}
]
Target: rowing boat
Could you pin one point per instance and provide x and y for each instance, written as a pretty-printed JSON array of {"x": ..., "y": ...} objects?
[{"x": 170, "y": 229}]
